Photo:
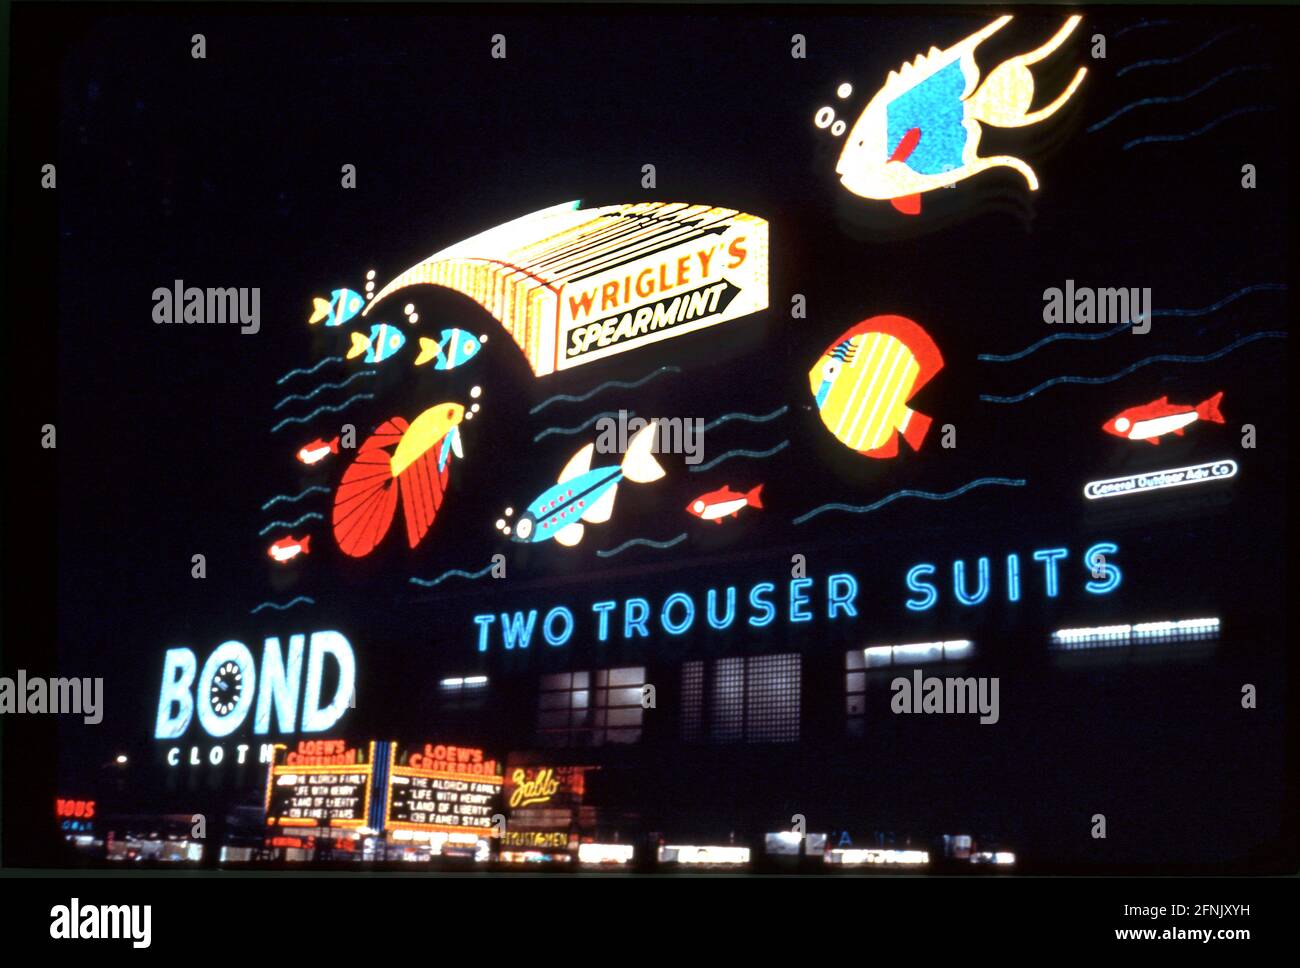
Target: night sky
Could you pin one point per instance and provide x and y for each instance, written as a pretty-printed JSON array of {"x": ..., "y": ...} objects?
[{"x": 226, "y": 172}]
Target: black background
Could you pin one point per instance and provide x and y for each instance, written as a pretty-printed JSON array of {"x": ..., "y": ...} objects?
[{"x": 225, "y": 172}]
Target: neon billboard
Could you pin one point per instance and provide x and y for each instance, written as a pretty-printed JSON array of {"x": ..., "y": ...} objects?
[{"x": 572, "y": 285}]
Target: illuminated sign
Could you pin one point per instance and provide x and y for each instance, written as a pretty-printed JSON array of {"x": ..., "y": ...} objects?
[
  {"x": 74, "y": 808},
  {"x": 443, "y": 788},
  {"x": 575, "y": 285},
  {"x": 536, "y": 839},
  {"x": 417, "y": 469},
  {"x": 227, "y": 688},
  {"x": 319, "y": 784},
  {"x": 921, "y": 130},
  {"x": 971, "y": 584},
  {"x": 1215, "y": 470},
  {"x": 527, "y": 786},
  {"x": 864, "y": 380}
]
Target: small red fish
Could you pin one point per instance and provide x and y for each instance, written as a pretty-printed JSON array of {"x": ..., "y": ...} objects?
[
  {"x": 716, "y": 505},
  {"x": 318, "y": 450},
  {"x": 1153, "y": 420},
  {"x": 289, "y": 547},
  {"x": 907, "y": 204}
]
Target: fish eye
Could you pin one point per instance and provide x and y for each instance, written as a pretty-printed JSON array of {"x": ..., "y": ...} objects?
[
  {"x": 451, "y": 412},
  {"x": 470, "y": 345},
  {"x": 1122, "y": 424},
  {"x": 831, "y": 370},
  {"x": 699, "y": 507}
]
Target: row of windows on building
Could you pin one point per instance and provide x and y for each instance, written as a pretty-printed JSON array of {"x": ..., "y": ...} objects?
[{"x": 746, "y": 699}]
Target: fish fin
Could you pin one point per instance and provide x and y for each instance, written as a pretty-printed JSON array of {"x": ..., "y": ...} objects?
[
  {"x": 428, "y": 350},
  {"x": 365, "y": 501},
  {"x": 579, "y": 463},
  {"x": 570, "y": 534},
  {"x": 306, "y": 544},
  {"x": 1209, "y": 410},
  {"x": 906, "y": 145},
  {"x": 639, "y": 464},
  {"x": 1154, "y": 441},
  {"x": 334, "y": 446},
  {"x": 601, "y": 508},
  {"x": 755, "y": 496},
  {"x": 718, "y": 520},
  {"x": 907, "y": 204},
  {"x": 423, "y": 485},
  {"x": 360, "y": 343},
  {"x": 914, "y": 428},
  {"x": 1179, "y": 430},
  {"x": 887, "y": 449},
  {"x": 320, "y": 308}
]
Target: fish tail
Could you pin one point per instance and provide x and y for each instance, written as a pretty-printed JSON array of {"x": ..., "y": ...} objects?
[
  {"x": 639, "y": 464},
  {"x": 429, "y": 349},
  {"x": 1209, "y": 410},
  {"x": 306, "y": 544},
  {"x": 915, "y": 428},
  {"x": 320, "y": 308},
  {"x": 360, "y": 343},
  {"x": 754, "y": 497},
  {"x": 1003, "y": 99},
  {"x": 334, "y": 446}
]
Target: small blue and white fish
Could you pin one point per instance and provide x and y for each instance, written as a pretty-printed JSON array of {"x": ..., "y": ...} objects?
[
  {"x": 383, "y": 342},
  {"x": 452, "y": 348},
  {"x": 586, "y": 494},
  {"x": 341, "y": 306}
]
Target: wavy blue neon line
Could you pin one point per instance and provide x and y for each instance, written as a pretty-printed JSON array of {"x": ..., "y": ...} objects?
[
  {"x": 297, "y": 497},
  {"x": 1161, "y": 61},
  {"x": 605, "y": 386},
  {"x": 290, "y": 524},
  {"x": 1161, "y": 358},
  {"x": 1203, "y": 311},
  {"x": 1154, "y": 138},
  {"x": 324, "y": 409},
  {"x": 1175, "y": 99},
  {"x": 293, "y": 373},
  {"x": 927, "y": 495},
  {"x": 324, "y": 386},
  {"x": 582, "y": 426},
  {"x": 430, "y": 582},
  {"x": 752, "y": 418},
  {"x": 1140, "y": 24},
  {"x": 650, "y": 542},
  {"x": 739, "y": 453},
  {"x": 281, "y": 608}
]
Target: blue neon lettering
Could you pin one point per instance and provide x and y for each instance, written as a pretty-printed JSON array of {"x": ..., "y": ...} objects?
[
  {"x": 769, "y": 610},
  {"x": 959, "y": 582},
  {"x": 1049, "y": 557},
  {"x": 837, "y": 601},
  {"x": 677, "y": 628},
  {"x": 929, "y": 592}
]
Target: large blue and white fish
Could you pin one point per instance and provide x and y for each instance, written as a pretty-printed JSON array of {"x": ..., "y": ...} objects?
[
  {"x": 452, "y": 348},
  {"x": 383, "y": 342},
  {"x": 586, "y": 494},
  {"x": 341, "y": 306},
  {"x": 921, "y": 131}
]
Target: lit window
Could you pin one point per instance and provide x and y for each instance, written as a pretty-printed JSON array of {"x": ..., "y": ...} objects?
[
  {"x": 752, "y": 700},
  {"x": 590, "y": 708},
  {"x": 858, "y": 662}
]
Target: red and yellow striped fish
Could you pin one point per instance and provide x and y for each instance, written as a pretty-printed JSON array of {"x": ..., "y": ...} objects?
[{"x": 864, "y": 380}]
